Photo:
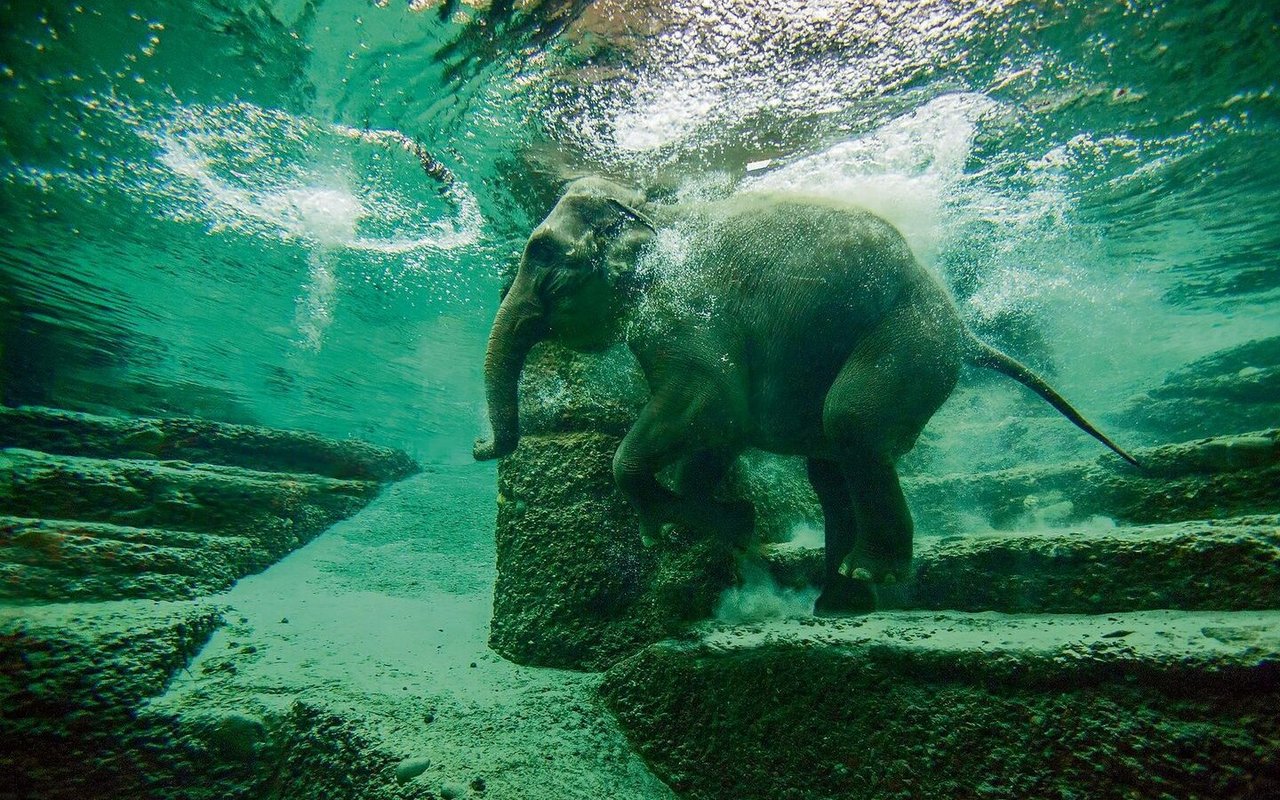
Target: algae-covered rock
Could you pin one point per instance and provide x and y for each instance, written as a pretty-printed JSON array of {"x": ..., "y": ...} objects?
[
  {"x": 1225, "y": 565},
  {"x": 72, "y": 680},
  {"x": 274, "y": 512},
  {"x": 1215, "y": 478},
  {"x": 928, "y": 704},
  {"x": 1230, "y": 391},
  {"x": 575, "y": 585},
  {"x": 562, "y": 391},
  {"x": 110, "y": 509},
  {"x": 201, "y": 441},
  {"x": 66, "y": 560},
  {"x": 778, "y": 488},
  {"x": 1210, "y": 565}
]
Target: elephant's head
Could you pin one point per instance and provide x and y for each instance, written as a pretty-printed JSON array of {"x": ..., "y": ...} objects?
[{"x": 569, "y": 289}]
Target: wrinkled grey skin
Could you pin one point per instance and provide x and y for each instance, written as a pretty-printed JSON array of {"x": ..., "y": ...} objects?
[{"x": 796, "y": 325}]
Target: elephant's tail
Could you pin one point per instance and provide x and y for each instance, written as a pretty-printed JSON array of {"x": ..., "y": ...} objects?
[{"x": 984, "y": 355}]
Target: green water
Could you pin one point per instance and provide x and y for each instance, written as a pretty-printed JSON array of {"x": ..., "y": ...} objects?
[
  {"x": 189, "y": 228},
  {"x": 301, "y": 214}
]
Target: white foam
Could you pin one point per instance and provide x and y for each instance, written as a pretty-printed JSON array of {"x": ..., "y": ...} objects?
[
  {"x": 807, "y": 536},
  {"x": 759, "y": 598},
  {"x": 664, "y": 114},
  {"x": 904, "y": 171},
  {"x": 233, "y": 163}
]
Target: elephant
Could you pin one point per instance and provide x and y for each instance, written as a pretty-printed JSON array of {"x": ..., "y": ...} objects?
[{"x": 793, "y": 324}]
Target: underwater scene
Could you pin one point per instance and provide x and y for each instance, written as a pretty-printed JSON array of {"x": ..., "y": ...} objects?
[{"x": 559, "y": 399}]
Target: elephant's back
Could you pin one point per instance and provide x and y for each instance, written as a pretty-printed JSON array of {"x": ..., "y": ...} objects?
[
  {"x": 792, "y": 270},
  {"x": 805, "y": 281},
  {"x": 821, "y": 254}
]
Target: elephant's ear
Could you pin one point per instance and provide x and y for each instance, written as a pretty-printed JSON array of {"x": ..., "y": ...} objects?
[
  {"x": 633, "y": 213},
  {"x": 623, "y": 250}
]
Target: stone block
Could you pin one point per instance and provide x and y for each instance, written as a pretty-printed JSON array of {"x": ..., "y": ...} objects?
[
  {"x": 575, "y": 586},
  {"x": 72, "y": 680},
  {"x": 1230, "y": 391},
  {"x": 276, "y": 512},
  {"x": 1210, "y": 565},
  {"x": 66, "y": 560},
  {"x": 199, "y": 441},
  {"x": 1213, "y": 478},
  {"x": 928, "y": 704},
  {"x": 562, "y": 391}
]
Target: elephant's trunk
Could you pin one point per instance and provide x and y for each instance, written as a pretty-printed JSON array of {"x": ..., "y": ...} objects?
[{"x": 516, "y": 329}]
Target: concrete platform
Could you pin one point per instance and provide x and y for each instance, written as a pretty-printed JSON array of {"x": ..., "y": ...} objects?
[
  {"x": 1231, "y": 564},
  {"x": 929, "y": 704},
  {"x": 73, "y": 677},
  {"x": 52, "y": 430}
]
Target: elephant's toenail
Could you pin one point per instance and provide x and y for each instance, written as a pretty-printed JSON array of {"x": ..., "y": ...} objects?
[
  {"x": 648, "y": 541},
  {"x": 889, "y": 577},
  {"x": 861, "y": 574}
]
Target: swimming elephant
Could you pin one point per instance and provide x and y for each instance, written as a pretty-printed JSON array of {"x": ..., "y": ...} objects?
[{"x": 787, "y": 323}]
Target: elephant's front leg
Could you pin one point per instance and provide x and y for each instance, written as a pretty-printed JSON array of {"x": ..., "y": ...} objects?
[{"x": 687, "y": 423}]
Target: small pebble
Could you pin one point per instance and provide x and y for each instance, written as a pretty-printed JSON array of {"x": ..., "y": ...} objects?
[
  {"x": 411, "y": 768},
  {"x": 478, "y": 785},
  {"x": 473, "y": 665},
  {"x": 284, "y": 620}
]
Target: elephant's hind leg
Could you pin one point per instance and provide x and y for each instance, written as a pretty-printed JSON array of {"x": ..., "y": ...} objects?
[
  {"x": 881, "y": 400},
  {"x": 881, "y": 552},
  {"x": 840, "y": 594},
  {"x": 675, "y": 426}
]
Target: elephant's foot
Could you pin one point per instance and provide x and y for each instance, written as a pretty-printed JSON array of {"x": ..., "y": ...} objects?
[
  {"x": 653, "y": 533},
  {"x": 843, "y": 596},
  {"x": 867, "y": 568}
]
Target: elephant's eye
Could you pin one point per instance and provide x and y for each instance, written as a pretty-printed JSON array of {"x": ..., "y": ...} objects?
[{"x": 543, "y": 250}]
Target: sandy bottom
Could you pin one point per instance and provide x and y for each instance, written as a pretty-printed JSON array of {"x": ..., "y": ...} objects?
[{"x": 385, "y": 616}]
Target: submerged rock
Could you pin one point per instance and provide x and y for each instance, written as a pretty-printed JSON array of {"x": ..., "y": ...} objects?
[
  {"x": 66, "y": 560},
  {"x": 956, "y": 705},
  {"x": 74, "y": 679},
  {"x": 1230, "y": 391},
  {"x": 276, "y": 510},
  {"x": 575, "y": 586},
  {"x": 411, "y": 768},
  {"x": 103, "y": 529},
  {"x": 1214, "y": 478},
  {"x": 118, "y": 508},
  {"x": 1211, "y": 565},
  {"x": 52, "y": 430},
  {"x": 135, "y": 519}
]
